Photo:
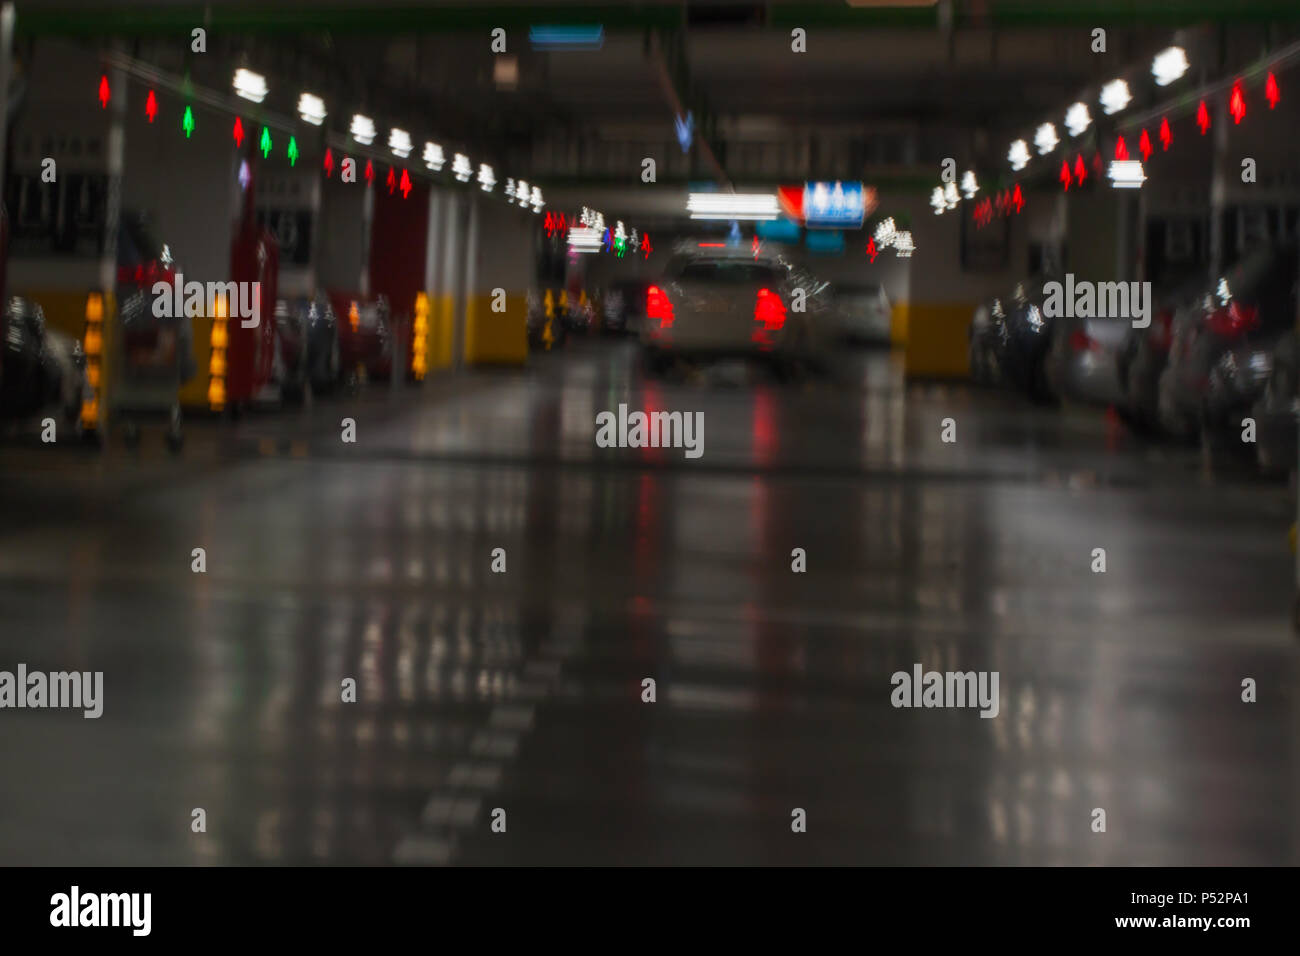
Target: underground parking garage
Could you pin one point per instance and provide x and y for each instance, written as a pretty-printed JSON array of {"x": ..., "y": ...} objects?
[{"x": 661, "y": 434}]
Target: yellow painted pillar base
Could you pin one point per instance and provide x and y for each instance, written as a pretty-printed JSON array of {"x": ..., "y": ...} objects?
[
  {"x": 937, "y": 335},
  {"x": 496, "y": 338}
]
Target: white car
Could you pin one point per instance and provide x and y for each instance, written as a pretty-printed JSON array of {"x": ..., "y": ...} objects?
[{"x": 728, "y": 302}]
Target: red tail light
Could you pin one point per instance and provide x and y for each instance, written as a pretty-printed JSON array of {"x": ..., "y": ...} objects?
[
  {"x": 770, "y": 310},
  {"x": 1234, "y": 321},
  {"x": 658, "y": 307}
]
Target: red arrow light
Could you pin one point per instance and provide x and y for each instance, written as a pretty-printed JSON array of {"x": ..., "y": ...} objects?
[
  {"x": 151, "y": 106},
  {"x": 370, "y": 171},
  {"x": 103, "y": 92},
  {"x": 1080, "y": 170},
  {"x": 392, "y": 181},
  {"x": 1144, "y": 144},
  {"x": 871, "y": 248},
  {"x": 1121, "y": 149},
  {"x": 1203, "y": 117},
  {"x": 329, "y": 162},
  {"x": 1237, "y": 103},
  {"x": 238, "y": 133},
  {"x": 1166, "y": 136},
  {"x": 405, "y": 185},
  {"x": 1271, "y": 92},
  {"x": 1018, "y": 199}
]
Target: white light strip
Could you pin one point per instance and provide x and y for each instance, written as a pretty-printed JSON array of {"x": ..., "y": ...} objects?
[
  {"x": 311, "y": 109},
  {"x": 1169, "y": 65},
  {"x": 746, "y": 206},
  {"x": 399, "y": 141},
  {"x": 250, "y": 85},
  {"x": 1126, "y": 174},
  {"x": 586, "y": 238},
  {"x": 363, "y": 129},
  {"x": 969, "y": 187}
]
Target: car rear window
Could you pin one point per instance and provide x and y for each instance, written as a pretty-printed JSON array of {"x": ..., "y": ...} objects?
[{"x": 728, "y": 270}]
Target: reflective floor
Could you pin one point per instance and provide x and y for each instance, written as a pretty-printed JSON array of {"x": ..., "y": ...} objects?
[{"x": 522, "y": 690}]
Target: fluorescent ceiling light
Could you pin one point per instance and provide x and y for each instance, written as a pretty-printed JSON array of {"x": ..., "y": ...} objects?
[
  {"x": 969, "y": 187},
  {"x": 250, "y": 85},
  {"x": 1169, "y": 65},
  {"x": 567, "y": 37},
  {"x": 586, "y": 238},
  {"x": 537, "y": 199},
  {"x": 433, "y": 156},
  {"x": 1018, "y": 154},
  {"x": 903, "y": 245},
  {"x": 311, "y": 109},
  {"x": 1126, "y": 174},
  {"x": 1114, "y": 97},
  {"x": 950, "y": 197},
  {"x": 399, "y": 141},
  {"x": 733, "y": 206},
  {"x": 1077, "y": 118},
  {"x": 936, "y": 200},
  {"x": 486, "y": 177},
  {"x": 363, "y": 129},
  {"x": 1045, "y": 139}
]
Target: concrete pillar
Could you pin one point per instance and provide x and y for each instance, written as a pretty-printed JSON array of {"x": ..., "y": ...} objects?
[
  {"x": 448, "y": 291},
  {"x": 500, "y": 270},
  {"x": 465, "y": 316}
]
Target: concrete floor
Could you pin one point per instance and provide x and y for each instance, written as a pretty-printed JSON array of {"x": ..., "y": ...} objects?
[{"x": 522, "y": 690}]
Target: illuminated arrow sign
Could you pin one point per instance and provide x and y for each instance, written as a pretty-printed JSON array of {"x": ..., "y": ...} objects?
[
  {"x": 293, "y": 151},
  {"x": 329, "y": 163},
  {"x": 238, "y": 133},
  {"x": 187, "y": 122},
  {"x": 103, "y": 92},
  {"x": 151, "y": 106},
  {"x": 685, "y": 130},
  {"x": 266, "y": 142}
]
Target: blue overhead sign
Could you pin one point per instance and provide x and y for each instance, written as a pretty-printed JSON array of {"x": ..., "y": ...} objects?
[{"x": 834, "y": 205}]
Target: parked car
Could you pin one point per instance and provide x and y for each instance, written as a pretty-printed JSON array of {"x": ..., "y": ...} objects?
[
  {"x": 43, "y": 369},
  {"x": 1024, "y": 346},
  {"x": 1145, "y": 352},
  {"x": 308, "y": 346},
  {"x": 987, "y": 335},
  {"x": 1277, "y": 411},
  {"x": 729, "y": 303},
  {"x": 623, "y": 305},
  {"x": 864, "y": 311},
  {"x": 365, "y": 335},
  {"x": 1221, "y": 357},
  {"x": 1082, "y": 359}
]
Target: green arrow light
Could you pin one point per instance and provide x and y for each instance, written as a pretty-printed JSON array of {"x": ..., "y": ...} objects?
[
  {"x": 293, "y": 151},
  {"x": 266, "y": 142},
  {"x": 187, "y": 122}
]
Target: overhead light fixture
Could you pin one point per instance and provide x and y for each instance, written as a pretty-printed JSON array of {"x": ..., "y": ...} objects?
[
  {"x": 567, "y": 37},
  {"x": 1126, "y": 174},
  {"x": 486, "y": 177},
  {"x": 522, "y": 193},
  {"x": 1114, "y": 97},
  {"x": 1169, "y": 65},
  {"x": 363, "y": 129},
  {"x": 1077, "y": 118},
  {"x": 1018, "y": 154},
  {"x": 250, "y": 85},
  {"x": 733, "y": 206},
  {"x": 433, "y": 156},
  {"x": 950, "y": 197},
  {"x": 586, "y": 239},
  {"x": 399, "y": 141},
  {"x": 537, "y": 199},
  {"x": 937, "y": 201},
  {"x": 969, "y": 187},
  {"x": 885, "y": 233},
  {"x": 461, "y": 167},
  {"x": 311, "y": 109},
  {"x": 903, "y": 245},
  {"x": 1045, "y": 139}
]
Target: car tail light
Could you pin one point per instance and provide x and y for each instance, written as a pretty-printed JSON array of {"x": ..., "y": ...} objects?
[
  {"x": 1234, "y": 321},
  {"x": 658, "y": 307},
  {"x": 770, "y": 310}
]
